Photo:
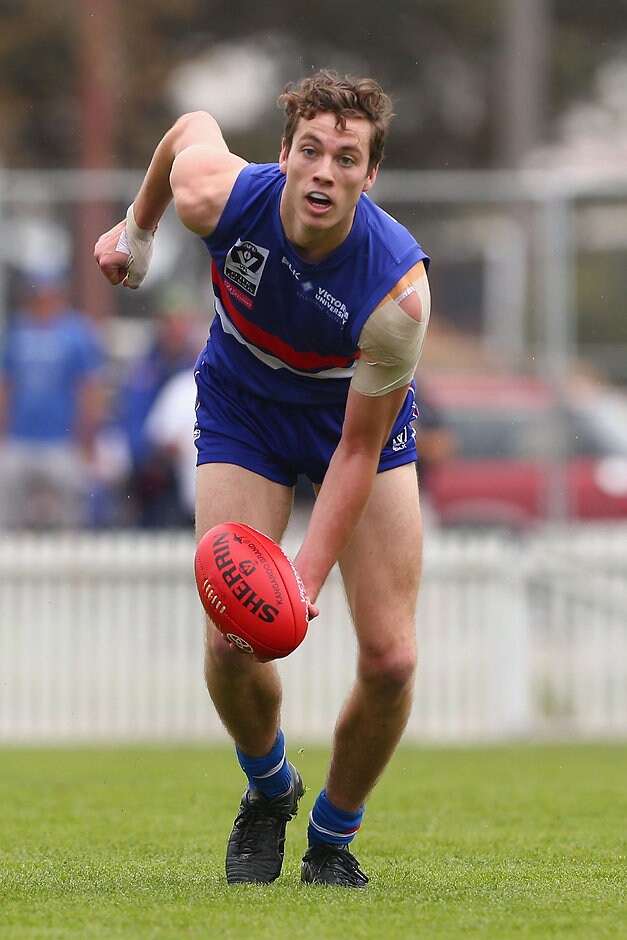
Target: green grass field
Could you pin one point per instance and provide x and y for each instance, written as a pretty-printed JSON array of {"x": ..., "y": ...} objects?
[{"x": 523, "y": 841}]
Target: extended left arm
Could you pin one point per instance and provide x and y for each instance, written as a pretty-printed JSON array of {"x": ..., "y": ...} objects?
[
  {"x": 347, "y": 484},
  {"x": 390, "y": 346}
]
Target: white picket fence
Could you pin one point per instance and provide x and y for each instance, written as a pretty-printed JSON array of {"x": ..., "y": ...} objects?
[{"x": 101, "y": 640}]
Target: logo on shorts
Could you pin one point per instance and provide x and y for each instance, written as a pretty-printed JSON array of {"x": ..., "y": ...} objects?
[
  {"x": 400, "y": 441},
  {"x": 244, "y": 265}
]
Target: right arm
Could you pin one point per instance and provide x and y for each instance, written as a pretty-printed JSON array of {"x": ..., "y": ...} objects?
[{"x": 191, "y": 164}]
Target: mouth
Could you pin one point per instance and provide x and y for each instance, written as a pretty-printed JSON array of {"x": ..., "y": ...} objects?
[{"x": 319, "y": 202}]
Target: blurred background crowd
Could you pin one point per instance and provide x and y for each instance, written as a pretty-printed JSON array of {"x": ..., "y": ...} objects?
[
  {"x": 507, "y": 159},
  {"x": 88, "y": 441}
]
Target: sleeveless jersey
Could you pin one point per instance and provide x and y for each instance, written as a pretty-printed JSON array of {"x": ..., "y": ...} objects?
[{"x": 284, "y": 328}]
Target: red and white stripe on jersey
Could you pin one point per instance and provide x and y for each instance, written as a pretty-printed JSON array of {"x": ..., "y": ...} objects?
[{"x": 270, "y": 349}]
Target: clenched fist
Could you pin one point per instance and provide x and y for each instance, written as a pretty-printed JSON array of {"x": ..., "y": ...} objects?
[{"x": 124, "y": 252}]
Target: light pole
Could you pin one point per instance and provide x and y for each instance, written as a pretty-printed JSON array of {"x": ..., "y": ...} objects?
[
  {"x": 96, "y": 34},
  {"x": 522, "y": 78}
]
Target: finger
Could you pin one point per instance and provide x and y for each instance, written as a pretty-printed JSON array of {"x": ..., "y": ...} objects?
[
  {"x": 132, "y": 280},
  {"x": 114, "y": 273}
]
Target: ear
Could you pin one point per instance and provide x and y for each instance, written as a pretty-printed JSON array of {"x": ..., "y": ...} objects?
[
  {"x": 372, "y": 175},
  {"x": 283, "y": 157}
]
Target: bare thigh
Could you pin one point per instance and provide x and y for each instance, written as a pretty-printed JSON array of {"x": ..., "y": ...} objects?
[
  {"x": 228, "y": 493},
  {"x": 381, "y": 566}
]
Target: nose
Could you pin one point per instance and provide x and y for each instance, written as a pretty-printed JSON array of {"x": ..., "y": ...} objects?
[{"x": 324, "y": 169}]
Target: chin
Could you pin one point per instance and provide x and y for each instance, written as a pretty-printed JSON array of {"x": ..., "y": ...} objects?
[{"x": 320, "y": 221}]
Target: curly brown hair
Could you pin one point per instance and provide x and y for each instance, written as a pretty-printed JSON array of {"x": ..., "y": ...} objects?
[{"x": 346, "y": 97}]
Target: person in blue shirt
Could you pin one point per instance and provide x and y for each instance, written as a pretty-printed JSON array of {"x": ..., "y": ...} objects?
[
  {"x": 51, "y": 402},
  {"x": 172, "y": 349},
  {"x": 321, "y": 306}
]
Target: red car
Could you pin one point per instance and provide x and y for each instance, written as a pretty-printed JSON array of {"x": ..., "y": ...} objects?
[{"x": 517, "y": 456}]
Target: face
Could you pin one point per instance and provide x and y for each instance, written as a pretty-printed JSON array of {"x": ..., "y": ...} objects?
[
  {"x": 326, "y": 171},
  {"x": 45, "y": 302}
]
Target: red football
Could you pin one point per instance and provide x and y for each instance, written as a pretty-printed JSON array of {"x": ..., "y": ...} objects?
[{"x": 251, "y": 590}]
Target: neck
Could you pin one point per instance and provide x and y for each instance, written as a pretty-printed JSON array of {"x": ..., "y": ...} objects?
[{"x": 313, "y": 245}]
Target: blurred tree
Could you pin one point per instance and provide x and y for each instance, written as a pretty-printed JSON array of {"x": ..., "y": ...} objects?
[
  {"x": 439, "y": 59},
  {"x": 38, "y": 107}
]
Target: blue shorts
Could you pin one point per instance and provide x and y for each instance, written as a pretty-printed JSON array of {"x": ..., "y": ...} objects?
[{"x": 280, "y": 441}]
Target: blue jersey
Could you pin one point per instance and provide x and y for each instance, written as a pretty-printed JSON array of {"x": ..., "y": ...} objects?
[
  {"x": 286, "y": 329},
  {"x": 45, "y": 363}
]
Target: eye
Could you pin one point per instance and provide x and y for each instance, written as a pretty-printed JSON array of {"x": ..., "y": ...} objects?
[
  {"x": 345, "y": 160},
  {"x": 309, "y": 151}
]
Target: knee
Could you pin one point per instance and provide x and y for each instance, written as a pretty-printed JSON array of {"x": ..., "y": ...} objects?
[
  {"x": 389, "y": 670},
  {"x": 220, "y": 656}
]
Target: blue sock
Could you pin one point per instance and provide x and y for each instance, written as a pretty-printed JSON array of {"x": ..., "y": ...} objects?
[
  {"x": 329, "y": 824},
  {"x": 269, "y": 774}
]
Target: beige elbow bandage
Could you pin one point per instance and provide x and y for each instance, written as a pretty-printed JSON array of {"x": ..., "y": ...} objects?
[{"x": 390, "y": 344}]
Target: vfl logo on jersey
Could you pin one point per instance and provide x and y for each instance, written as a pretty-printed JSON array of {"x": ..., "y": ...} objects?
[{"x": 244, "y": 265}]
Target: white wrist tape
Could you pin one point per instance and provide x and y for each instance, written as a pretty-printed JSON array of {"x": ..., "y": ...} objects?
[
  {"x": 391, "y": 343},
  {"x": 138, "y": 243}
]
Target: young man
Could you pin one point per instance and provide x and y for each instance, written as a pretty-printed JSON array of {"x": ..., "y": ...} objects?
[
  {"x": 52, "y": 405},
  {"x": 322, "y": 303}
]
